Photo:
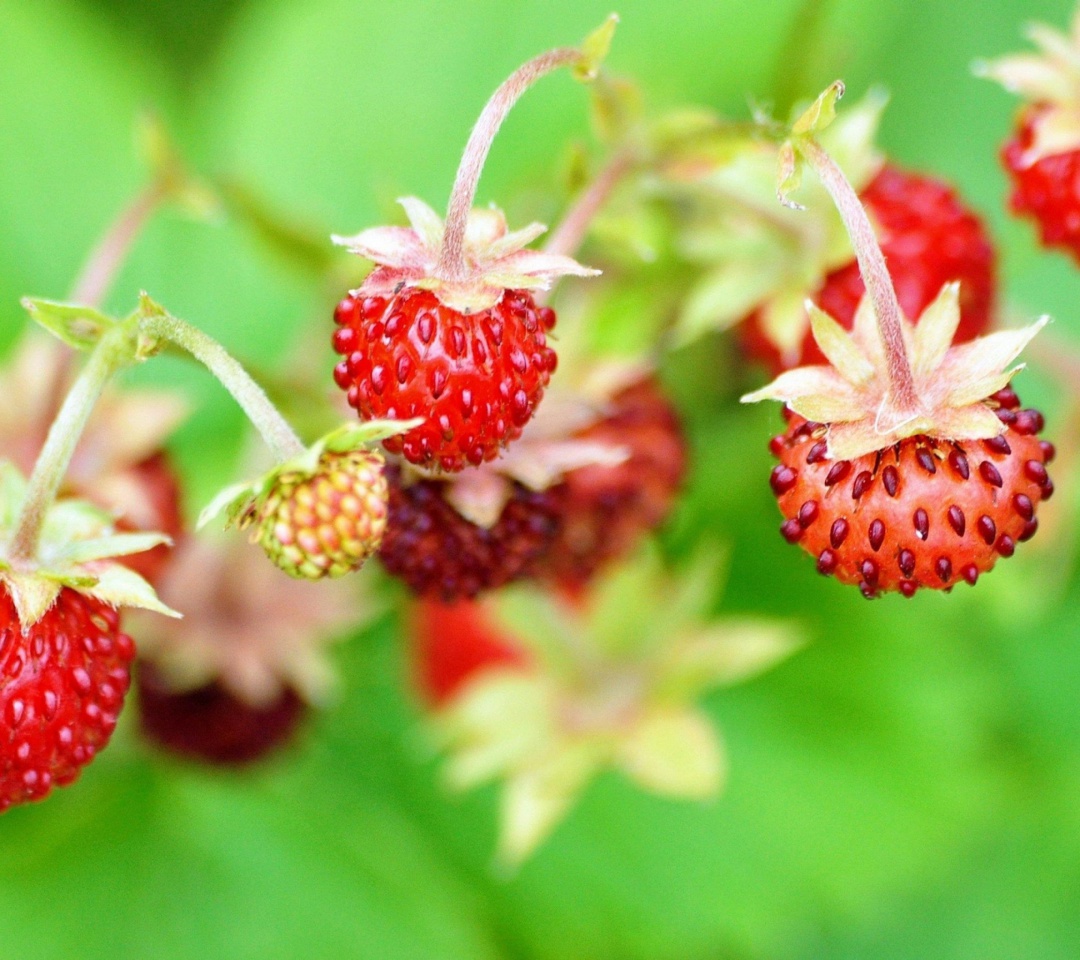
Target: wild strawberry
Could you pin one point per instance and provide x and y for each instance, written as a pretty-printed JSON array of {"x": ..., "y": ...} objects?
[
  {"x": 900, "y": 498},
  {"x": 328, "y": 522},
  {"x": 1043, "y": 155},
  {"x": 321, "y": 513},
  {"x": 929, "y": 238},
  {"x": 922, "y": 513},
  {"x": 439, "y": 553},
  {"x": 211, "y": 723},
  {"x": 606, "y": 508},
  {"x": 467, "y": 353},
  {"x": 62, "y": 684},
  {"x": 455, "y": 642}
]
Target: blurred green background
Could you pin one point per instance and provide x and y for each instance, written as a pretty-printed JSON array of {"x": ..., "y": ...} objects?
[{"x": 906, "y": 787}]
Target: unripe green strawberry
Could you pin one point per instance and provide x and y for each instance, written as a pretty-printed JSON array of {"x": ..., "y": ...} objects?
[{"x": 328, "y": 523}]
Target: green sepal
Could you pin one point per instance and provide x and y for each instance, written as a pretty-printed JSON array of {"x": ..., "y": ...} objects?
[
  {"x": 594, "y": 50},
  {"x": 238, "y": 500},
  {"x": 117, "y": 545},
  {"x": 32, "y": 595},
  {"x": 78, "y": 326},
  {"x": 120, "y": 586},
  {"x": 820, "y": 113}
]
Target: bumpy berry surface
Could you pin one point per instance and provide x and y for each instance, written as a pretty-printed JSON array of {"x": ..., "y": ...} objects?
[
  {"x": 439, "y": 553},
  {"x": 327, "y": 524},
  {"x": 211, "y": 724},
  {"x": 929, "y": 238},
  {"x": 605, "y": 510},
  {"x": 922, "y": 513},
  {"x": 476, "y": 378},
  {"x": 61, "y": 689},
  {"x": 1047, "y": 190},
  {"x": 160, "y": 490},
  {"x": 454, "y": 642}
]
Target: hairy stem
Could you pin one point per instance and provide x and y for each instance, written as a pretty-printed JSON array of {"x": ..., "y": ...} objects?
[
  {"x": 875, "y": 274},
  {"x": 55, "y": 456},
  {"x": 272, "y": 426},
  {"x": 452, "y": 264}
]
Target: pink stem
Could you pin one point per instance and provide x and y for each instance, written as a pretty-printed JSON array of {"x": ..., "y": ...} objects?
[
  {"x": 568, "y": 236},
  {"x": 875, "y": 274},
  {"x": 452, "y": 264},
  {"x": 108, "y": 255}
]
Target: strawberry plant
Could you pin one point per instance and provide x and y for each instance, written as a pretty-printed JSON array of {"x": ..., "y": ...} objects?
[{"x": 462, "y": 626}]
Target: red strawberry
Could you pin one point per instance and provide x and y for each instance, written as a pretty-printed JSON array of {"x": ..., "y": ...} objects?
[
  {"x": 460, "y": 343},
  {"x": 1045, "y": 189},
  {"x": 1043, "y": 156},
  {"x": 604, "y": 510},
  {"x": 453, "y": 642},
  {"x": 929, "y": 238},
  {"x": 437, "y": 552},
  {"x": 477, "y": 378},
  {"x": 62, "y": 685},
  {"x": 213, "y": 724},
  {"x": 922, "y": 513}
]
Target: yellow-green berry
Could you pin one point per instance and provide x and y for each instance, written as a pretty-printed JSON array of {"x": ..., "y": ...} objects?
[{"x": 328, "y": 523}]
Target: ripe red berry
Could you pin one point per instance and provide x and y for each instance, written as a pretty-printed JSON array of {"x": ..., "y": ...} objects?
[
  {"x": 921, "y": 513},
  {"x": 453, "y": 642},
  {"x": 437, "y": 552},
  {"x": 604, "y": 510},
  {"x": 929, "y": 238},
  {"x": 476, "y": 378},
  {"x": 211, "y": 723},
  {"x": 1045, "y": 189},
  {"x": 62, "y": 685}
]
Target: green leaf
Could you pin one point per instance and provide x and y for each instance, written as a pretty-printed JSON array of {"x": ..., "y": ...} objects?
[
  {"x": 820, "y": 113},
  {"x": 78, "y": 326},
  {"x": 594, "y": 49}
]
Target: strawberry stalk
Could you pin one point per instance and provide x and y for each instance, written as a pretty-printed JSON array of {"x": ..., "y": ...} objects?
[
  {"x": 264, "y": 416},
  {"x": 903, "y": 396},
  {"x": 585, "y": 60},
  {"x": 110, "y": 354}
]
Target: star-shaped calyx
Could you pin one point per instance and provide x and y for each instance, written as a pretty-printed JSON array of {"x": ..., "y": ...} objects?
[
  {"x": 495, "y": 259},
  {"x": 77, "y": 547},
  {"x": 856, "y": 396},
  {"x": 611, "y": 681},
  {"x": 1049, "y": 80}
]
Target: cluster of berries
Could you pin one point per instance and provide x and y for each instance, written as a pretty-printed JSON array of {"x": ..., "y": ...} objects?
[{"x": 490, "y": 452}]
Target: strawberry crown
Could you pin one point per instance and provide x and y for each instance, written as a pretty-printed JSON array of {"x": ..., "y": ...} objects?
[
  {"x": 77, "y": 547},
  {"x": 614, "y": 686},
  {"x": 1049, "y": 79},
  {"x": 241, "y": 501},
  {"x": 495, "y": 258},
  {"x": 853, "y": 395}
]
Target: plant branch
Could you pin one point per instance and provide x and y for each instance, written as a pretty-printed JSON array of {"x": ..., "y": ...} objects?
[
  {"x": 570, "y": 233},
  {"x": 272, "y": 426}
]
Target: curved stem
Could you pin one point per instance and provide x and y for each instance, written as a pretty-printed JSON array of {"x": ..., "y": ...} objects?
[
  {"x": 63, "y": 437},
  {"x": 569, "y": 234},
  {"x": 875, "y": 273},
  {"x": 110, "y": 252},
  {"x": 272, "y": 426},
  {"x": 452, "y": 264}
]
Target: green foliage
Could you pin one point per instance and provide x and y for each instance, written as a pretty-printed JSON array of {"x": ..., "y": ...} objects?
[{"x": 904, "y": 787}]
